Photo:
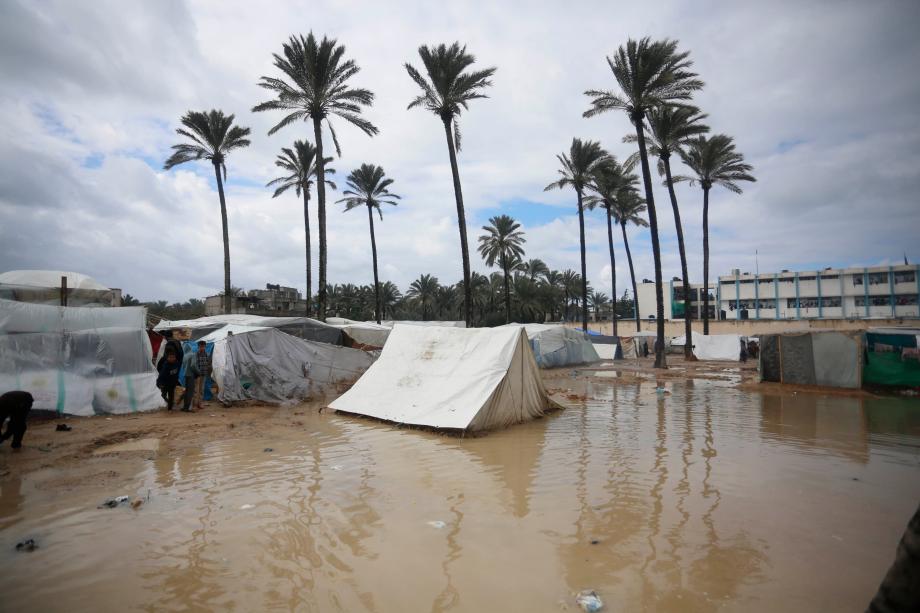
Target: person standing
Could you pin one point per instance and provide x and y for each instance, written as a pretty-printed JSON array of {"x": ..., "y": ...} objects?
[
  {"x": 204, "y": 372},
  {"x": 192, "y": 374},
  {"x": 168, "y": 378},
  {"x": 173, "y": 346}
]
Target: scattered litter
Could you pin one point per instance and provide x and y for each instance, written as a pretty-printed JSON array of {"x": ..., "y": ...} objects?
[
  {"x": 108, "y": 419},
  {"x": 335, "y": 467},
  {"x": 589, "y": 601},
  {"x": 246, "y": 507},
  {"x": 137, "y": 504},
  {"x": 440, "y": 525},
  {"x": 837, "y": 538},
  {"x": 63, "y": 428},
  {"x": 212, "y": 415},
  {"x": 268, "y": 450},
  {"x": 595, "y": 542},
  {"x": 661, "y": 390},
  {"x": 111, "y": 503},
  {"x": 855, "y": 478},
  {"x": 27, "y": 545}
]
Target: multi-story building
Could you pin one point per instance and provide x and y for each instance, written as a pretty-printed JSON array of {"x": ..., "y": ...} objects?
[
  {"x": 880, "y": 292},
  {"x": 273, "y": 300}
]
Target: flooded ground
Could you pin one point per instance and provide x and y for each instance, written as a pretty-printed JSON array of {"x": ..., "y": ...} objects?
[{"x": 697, "y": 497}]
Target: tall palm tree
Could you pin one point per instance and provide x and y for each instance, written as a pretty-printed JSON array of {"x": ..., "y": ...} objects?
[
  {"x": 571, "y": 282},
  {"x": 300, "y": 163},
  {"x": 669, "y": 128},
  {"x": 714, "y": 161},
  {"x": 535, "y": 268},
  {"x": 502, "y": 242},
  {"x": 628, "y": 208},
  {"x": 649, "y": 74},
  {"x": 424, "y": 291},
  {"x": 554, "y": 288},
  {"x": 576, "y": 169},
  {"x": 598, "y": 300},
  {"x": 313, "y": 87},
  {"x": 608, "y": 180},
  {"x": 368, "y": 186},
  {"x": 213, "y": 136},
  {"x": 389, "y": 297},
  {"x": 447, "y": 91}
]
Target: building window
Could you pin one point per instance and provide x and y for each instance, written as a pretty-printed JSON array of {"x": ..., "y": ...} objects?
[
  {"x": 873, "y": 301},
  {"x": 878, "y": 278},
  {"x": 768, "y": 303},
  {"x": 857, "y": 279},
  {"x": 807, "y": 278},
  {"x": 830, "y": 301},
  {"x": 906, "y": 300},
  {"x": 743, "y": 281},
  {"x": 905, "y": 277},
  {"x": 829, "y": 277},
  {"x": 765, "y": 281}
]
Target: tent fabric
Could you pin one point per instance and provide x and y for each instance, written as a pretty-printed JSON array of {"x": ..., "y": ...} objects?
[
  {"x": 429, "y": 324},
  {"x": 892, "y": 357},
  {"x": 717, "y": 347},
  {"x": 798, "y": 359},
  {"x": 609, "y": 352},
  {"x": 364, "y": 333},
  {"x": 452, "y": 378},
  {"x": 827, "y": 358},
  {"x": 556, "y": 345},
  {"x": 273, "y": 367},
  {"x": 224, "y": 331},
  {"x": 301, "y": 327},
  {"x": 44, "y": 287},
  {"x": 837, "y": 360},
  {"x": 78, "y": 360}
]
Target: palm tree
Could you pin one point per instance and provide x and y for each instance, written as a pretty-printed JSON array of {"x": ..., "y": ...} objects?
[
  {"x": 554, "y": 286},
  {"x": 571, "y": 282},
  {"x": 628, "y": 208},
  {"x": 669, "y": 128},
  {"x": 389, "y": 297},
  {"x": 300, "y": 163},
  {"x": 714, "y": 161},
  {"x": 446, "y": 91},
  {"x": 598, "y": 300},
  {"x": 317, "y": 87},
  {"x": 576, "y": 169},
  {"x": 424, "y": 291},
  {"x": 535, "y": 268},
  {"x": 503, "y": 243},
  {"x": 649, "y": 74},
  {"x": 213, "y": 136},
  {"x": 367, "y": 186},
  {"x": 609, "y": 179}
]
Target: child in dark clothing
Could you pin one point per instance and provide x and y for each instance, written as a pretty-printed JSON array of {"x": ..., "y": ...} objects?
[
  {"x": 16, "y": 406},
  {"x": 168, "y": 378}
]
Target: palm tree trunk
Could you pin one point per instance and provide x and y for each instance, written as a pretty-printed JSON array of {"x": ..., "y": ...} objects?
[
  {"x": 685, "y": 278},
  {"x": 370, "y": 220},
  {"x": 507, "y": 291},
  {"x": 461, "y": 221},
  {"x": 632, "y": 274},
  {"x": 660, "y": 361},
  {"x": 321, "y": 213},
  {"x": 228, "y": 298},
  {"x": 613, "y": 274},
  {"x": 306, "y": 228},
  {"x": 584, "y": 267},
  {"x": 706, "y": 260}
]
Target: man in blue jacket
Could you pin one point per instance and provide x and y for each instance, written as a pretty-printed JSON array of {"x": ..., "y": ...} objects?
[{"x": 197, "y": 368}]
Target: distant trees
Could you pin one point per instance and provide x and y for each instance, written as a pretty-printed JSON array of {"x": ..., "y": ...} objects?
[{"x": 503, "y": 243}]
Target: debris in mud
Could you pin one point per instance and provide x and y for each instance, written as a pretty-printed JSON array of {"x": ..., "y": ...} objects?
[
  {"x": 246, "y": 507},
  {"x": 111, "y": 503},
  {"x": 268, "y": 450},
  {"x": 27, "y": 545},
  {"x": 438, "y": 524},
  {"x": 137, "y": 504},
  {"x": 595, "y": 542},
  {"x": 576, "y": 397},
  {"x": 589, "y": 601},
  {"x": 63, "y": 428}
]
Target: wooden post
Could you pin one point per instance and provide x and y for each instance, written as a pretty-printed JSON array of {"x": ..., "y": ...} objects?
[
  {"x": 63, "y": 291},
  {"x": 780, "y": 341}
]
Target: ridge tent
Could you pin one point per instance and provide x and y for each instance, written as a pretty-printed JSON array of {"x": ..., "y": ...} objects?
[
  {"x": 366, "y": 333},
  {"x": 556, "y": 345},
  {"x": 78, "y": 360},
  {"x": 827, "y": 358},
  {"x": 270, "y": 366},
  {"x": 453, "y": 378},
  {"x": 44, "y": 287},
  {"x": 301, "y": 327},
  {"x": 608, "y": 347}
]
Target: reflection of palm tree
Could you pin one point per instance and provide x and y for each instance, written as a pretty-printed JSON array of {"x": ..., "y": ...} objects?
[
  {"x": 661, "y": 469},
  {"x": 449, "y": 596}
]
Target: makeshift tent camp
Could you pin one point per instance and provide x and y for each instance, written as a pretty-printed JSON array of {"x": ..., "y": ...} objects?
[
  {"x": 453, "y": 378},
  {"x": 270, "y": 366},
  {"x": 45, "y": 287},
  {"x": 364, "y": 333},
  {"x": 436, "y": 324},
  {"x": 78, "y": 360},
  {"x": 832, "y": 359},
  {"x": 301, "y": 327},
  {"x": 892, "y": 357},
  {"x": 607, "y": 347},
  {"x": 726, "y": 347},
  {"x": 557, "y": 345}
]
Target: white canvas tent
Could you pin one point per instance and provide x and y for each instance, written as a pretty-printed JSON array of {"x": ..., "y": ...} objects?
[
  {"x": 78, "y": 360},
  {"x": 363, "y": 332},
  {"x": 428, "y": 324},
  {"x": 301, "y": 327},
  {"x": 452, "y": 378},
  {"x": 556, "y": 345},
  {"x": 270, "y": 366},
  {"x": 725, "y": 347}
]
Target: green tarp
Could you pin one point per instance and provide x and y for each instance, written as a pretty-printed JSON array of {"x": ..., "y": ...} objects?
[{"x": 886, "y": 362}]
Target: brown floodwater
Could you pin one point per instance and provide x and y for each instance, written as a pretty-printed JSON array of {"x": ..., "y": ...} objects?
[{"x": 705, "y": 497}]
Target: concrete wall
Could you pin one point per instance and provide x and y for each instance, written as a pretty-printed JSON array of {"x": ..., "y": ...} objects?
[{"x": 753, "y": 327}]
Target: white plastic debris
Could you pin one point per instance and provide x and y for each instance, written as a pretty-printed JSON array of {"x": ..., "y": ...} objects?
[
  {"x": 589, "y": 601},
  {"x": 440, "y": 525},
  {"x": 246, "y": 507}
]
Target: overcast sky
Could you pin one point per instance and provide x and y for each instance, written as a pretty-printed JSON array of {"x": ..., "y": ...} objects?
[{"x": 822, "y": 98}]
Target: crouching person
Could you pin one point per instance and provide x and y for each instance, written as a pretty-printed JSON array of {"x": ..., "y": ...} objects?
[
  {"x": 168, "y": 378},
  {"x": 16, "y": 407}
]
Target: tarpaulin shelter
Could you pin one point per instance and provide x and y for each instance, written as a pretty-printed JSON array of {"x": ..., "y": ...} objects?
[
  {"x": 364, "y": 333},
  {"x": 301, "y": 327},
  {"x": 832, "y": 359},
  {"x": 725, "y": 347},
  {"x": 436, "y": 324},
  {"x": 78, "y": 360},
  {"x": 892, "y": 357},
  {"x": 452, "y": 378},
  {"x": 556, "y": 345},
  {"x": 270, "y": 366},
  {"x": 45, "y": 287},
  {"x": 607, "y": 347}
]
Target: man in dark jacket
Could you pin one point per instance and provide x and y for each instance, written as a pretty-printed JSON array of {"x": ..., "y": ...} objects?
[
  {"x": 172, "y": 346},
  {"x": 168, "y": 378},
  {"x": 16, "y": 406}
]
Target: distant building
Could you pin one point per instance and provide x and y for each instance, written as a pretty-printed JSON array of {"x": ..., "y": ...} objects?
[
  {"x": 273, "y": 300},
  {"x": 880, "y": 292}
]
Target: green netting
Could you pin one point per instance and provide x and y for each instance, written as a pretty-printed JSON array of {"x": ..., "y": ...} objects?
[{"x": 887, "y": 368}]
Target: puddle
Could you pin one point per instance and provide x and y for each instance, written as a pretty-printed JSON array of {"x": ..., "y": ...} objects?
[
  {"x": 609, "y": 374},
  {"x": 704, "y": 498}
]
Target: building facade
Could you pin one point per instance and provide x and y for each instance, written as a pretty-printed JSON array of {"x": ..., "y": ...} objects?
[
  {"x": 880, "y": 292},
  {"x": 273, "y": 300}
]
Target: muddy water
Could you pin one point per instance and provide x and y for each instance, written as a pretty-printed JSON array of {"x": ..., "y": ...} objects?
[{"x": 701, "y": 498}]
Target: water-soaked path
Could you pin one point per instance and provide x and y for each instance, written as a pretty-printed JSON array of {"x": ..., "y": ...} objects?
[{"x": 701, "y": 498}]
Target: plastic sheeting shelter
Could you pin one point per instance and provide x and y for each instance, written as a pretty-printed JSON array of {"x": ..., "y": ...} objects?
[
  {"x": 892, "y": 357},
  {"x": 831, "y": 359},
  {"x": 556, "y": 345},
  {"x": 270, "y": 366},
  {"x": 451, "y": 378},
  {"x": 78, "y": 360},
  {"x": 724, "y": 347},
  {"x": 363, "y": 333},
  {"x": 301, "y": 327},
  {"x": 44, "y": 287},
  {"x": 607, "y": 347},
  {"x": 429, "y": 324}
]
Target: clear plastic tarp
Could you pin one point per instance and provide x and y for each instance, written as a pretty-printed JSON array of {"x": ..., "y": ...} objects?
[{"x": 44, "y": 287}]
